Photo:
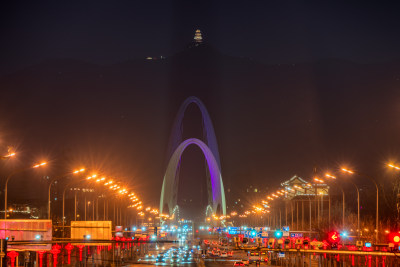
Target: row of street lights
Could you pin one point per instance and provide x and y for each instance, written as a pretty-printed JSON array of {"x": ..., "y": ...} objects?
[
  {"x": 11, "y": 175},
  {"x": 114, "y": 186},
  {"x": 281, "y": 193}
]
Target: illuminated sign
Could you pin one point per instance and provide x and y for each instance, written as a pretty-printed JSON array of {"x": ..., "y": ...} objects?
[
  {"x": 334, "y": 237},
  {"x": 296, "y": 235},
  {"x": 368, "y": 244}
]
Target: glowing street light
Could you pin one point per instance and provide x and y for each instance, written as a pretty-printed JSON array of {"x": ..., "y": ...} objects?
[
  {"x": 9, "y": 155},
  {"x": 393, "y": 166},
  {"x": 377, "y": 196},
  {"x": 39, "y": 165},
  {"x": 318, "y": 180},
  {"x": 8, "y": 178},
  {"x": 91, "y": 177},
  {"x": 330, "y": 176},
  {"x": 78, "y": 171},
  {"x": 51, "y": 182},
  {"x": 347, "y": 171}
]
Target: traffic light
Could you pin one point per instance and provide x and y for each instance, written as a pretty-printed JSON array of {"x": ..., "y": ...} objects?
[
  {"x": 394, "y": 238},
  {"x": 278, "y": 233}
]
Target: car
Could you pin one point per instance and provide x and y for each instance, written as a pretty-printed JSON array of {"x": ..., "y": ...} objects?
[
  {"x": 238, "y": 263},
  {"x": 160, "y": 258},
  {"x": 223, "y": 254},
  {"x": 149, "y": 256},
  {"x": 175, "y": 259},
  {"x": 245, "y": 261},
  {"x": 187, "y": 257},
  {"x": 230, "y": 253}
]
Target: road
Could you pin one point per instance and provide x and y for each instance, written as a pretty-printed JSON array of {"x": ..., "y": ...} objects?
[{"x": 207, "y": 262}]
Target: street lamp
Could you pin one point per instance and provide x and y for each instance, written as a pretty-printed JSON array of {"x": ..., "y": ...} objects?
[
  {"x": 63, "y": 200},
  {"x": 377, "y": 196},
  {"x": 343, "y": 202},
  {"x": 358, "y": 202},
  {"x": 8, "y": 156},
  {"x": 398, "y": 194},
  {"x": 9, "y": 177},
  {"x": 51, "y": 182}
]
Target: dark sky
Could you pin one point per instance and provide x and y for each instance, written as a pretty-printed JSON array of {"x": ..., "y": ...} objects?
[
  {"x": 269, "y": 31},
  {"x": 270, "y": 122}
]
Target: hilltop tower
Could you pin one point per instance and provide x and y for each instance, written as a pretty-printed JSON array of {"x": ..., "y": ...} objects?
[{"x": 198, "y": 38}]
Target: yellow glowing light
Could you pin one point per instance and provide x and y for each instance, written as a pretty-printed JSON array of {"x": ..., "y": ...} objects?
[
  {"x": 348, "y": 171},
  {"x": 10, "y": 155},
  {"x": 40, "y": 164},
  {"x": 394, "y": 166}
]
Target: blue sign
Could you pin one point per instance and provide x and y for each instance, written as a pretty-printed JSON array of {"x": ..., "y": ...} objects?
[
  {"x": 296, "y": 235},
  {"x": 285, "y": 228}
]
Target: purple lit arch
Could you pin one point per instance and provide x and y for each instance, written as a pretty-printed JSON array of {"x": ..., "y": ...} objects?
[
  {"x": 209, "y": 137},
  {"x": 169, "y": 191}
]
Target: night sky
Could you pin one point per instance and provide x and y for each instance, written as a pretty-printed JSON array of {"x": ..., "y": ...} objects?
[
  {"x": 268, "y": 31},
  {"x": 289, "y": 87}
]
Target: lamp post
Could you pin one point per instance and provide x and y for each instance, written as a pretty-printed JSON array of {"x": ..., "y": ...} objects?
[
  {"x": 343, "y": 201},
  {"x": 49, "y": 190},
  {"x": 377, "y": 197},
  {"x": 9, "y": 177},
  {"x": 63, "y": 200},
  {"x": 397, "y": 189},
  {"x": 358, "y": 202}
]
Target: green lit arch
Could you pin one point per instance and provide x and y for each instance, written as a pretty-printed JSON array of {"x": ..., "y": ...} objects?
[{"x": 169, "y": 191}]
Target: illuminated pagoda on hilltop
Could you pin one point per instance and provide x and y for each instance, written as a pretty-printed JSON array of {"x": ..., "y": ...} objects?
[{"x": 197, "y": 37}]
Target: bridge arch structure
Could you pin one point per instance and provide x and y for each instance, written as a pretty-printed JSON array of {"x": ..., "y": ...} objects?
[
  {"x": 169, "y": 192},
  {"x": 209, "y": 138},
  {"x": 209, "y": 147}
]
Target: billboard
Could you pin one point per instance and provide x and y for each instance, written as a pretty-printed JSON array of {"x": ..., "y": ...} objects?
[
  {"x": 27, "y": 230},
  {"x": 91, "y": 230}
]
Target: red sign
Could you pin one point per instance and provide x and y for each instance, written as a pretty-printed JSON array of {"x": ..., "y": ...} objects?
[{"x": 334, "y": 237}]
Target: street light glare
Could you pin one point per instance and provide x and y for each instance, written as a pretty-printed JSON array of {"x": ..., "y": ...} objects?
[
  {"x": 348, "y": 171},
  {"x": 394, "y": 166},
  {"x": 39, "y": 165},
  {"x": 78, "y": 171},
  {"x": 330, "y": 176}
]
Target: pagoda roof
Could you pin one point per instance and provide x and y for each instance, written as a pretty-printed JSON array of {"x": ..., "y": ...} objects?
[{"x": 294, "y": 180}]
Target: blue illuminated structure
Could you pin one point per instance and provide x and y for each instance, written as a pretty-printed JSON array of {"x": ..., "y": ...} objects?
[{"x": 176, "y": 147}]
